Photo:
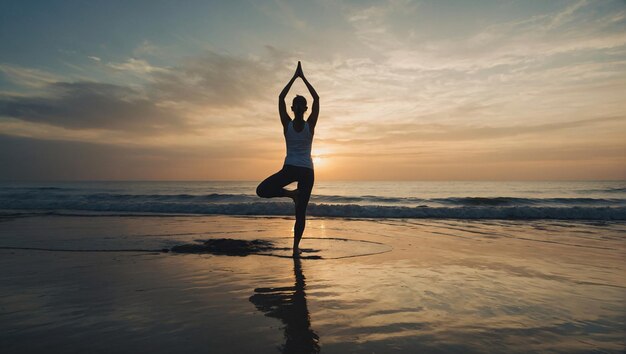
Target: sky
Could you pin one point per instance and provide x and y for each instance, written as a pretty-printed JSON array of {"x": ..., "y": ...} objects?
[{"x": 409, "y": 90}]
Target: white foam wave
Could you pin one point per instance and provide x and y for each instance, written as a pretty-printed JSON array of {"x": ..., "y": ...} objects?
[{"x": 326, "y": 210}]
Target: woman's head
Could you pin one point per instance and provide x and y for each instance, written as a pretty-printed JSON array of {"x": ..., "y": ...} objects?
[{"x": 298, "y": 105}]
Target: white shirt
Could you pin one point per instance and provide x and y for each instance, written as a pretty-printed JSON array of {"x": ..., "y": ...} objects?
[{"x": 299, "y": 146}]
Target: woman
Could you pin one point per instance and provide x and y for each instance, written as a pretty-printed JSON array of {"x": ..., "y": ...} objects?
[{"x": 298, "y": 164}]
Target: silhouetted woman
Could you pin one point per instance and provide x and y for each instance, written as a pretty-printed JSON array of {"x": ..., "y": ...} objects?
[{"x": 298, "y": 164}]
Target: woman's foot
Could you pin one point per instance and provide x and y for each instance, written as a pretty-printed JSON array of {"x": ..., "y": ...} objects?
[{"x": 294, "y": 196}]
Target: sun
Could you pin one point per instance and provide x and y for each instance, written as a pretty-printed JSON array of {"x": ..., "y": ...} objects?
[{"x": 319, "y": 157}]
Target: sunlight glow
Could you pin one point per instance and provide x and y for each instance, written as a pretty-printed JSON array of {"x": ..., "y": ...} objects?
[{"x": 319, "y": 156}]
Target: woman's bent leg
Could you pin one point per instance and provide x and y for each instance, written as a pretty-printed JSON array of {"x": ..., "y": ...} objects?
[
  {"x": 272, "y": 186},
  {"x": 305, "y": 185}
]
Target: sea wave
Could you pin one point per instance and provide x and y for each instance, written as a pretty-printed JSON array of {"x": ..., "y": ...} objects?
[
  {"x": 609, "y": 190},
  {"x": 48, "y": 194},
  {"x": 502, "y": 201},
  {"x": 319, "y": 209},
  {"x": 69, "y": 200}
]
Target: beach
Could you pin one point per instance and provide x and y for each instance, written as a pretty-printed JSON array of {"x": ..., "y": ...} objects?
[
  {"x": 312, "y": 177},
  {"x": 103, "y": 283}
]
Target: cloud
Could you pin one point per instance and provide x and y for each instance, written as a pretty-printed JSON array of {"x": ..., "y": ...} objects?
[
  {"x": 138, "y": 66},
  {"x": 580, "y": 26},
  {"x": 564, "y": 65},
  {"x": 397, "y": 135},
  {"x": 281, "y": 11},
  {"x": 221, "y": 80},
  {"x": 566, "y": 14},
  {"x": 146, "y": 48},
  {"x": 94, "y": 58},
  {"x": 372, "y": 24},
  {"x": 84, "y": 105},
  {"x": 207, "y": 89},
  {"x": 27, "y": 77}
]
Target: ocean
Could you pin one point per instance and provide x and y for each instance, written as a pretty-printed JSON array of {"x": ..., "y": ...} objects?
[{"x": 572, "y": 200}]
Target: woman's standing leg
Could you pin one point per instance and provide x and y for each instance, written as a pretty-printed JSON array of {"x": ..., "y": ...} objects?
[{"x": 306, "y": 178}]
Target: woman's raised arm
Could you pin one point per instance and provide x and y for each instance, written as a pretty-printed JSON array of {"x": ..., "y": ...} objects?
[
  {"x": 315, "y": 110},
  {"x": 282, "y": 108}
]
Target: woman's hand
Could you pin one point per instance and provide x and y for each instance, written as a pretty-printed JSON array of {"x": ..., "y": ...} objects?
[{"x": 299, "y": 71}]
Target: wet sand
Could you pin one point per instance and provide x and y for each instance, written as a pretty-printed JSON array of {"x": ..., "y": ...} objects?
[{"x": 431, "y": 286}]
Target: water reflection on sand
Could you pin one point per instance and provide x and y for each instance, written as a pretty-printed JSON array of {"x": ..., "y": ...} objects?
[{"x": 288, "y": 304}]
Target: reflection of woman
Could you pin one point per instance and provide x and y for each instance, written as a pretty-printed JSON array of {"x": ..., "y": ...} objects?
[
  {"x": 289, "y": 305},
  {"x": 298, "y": 164}
]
